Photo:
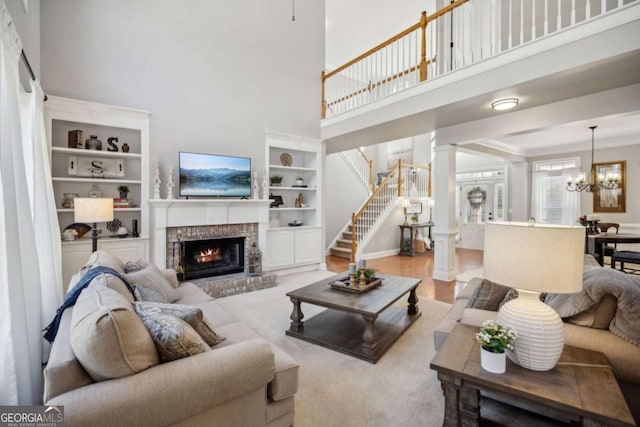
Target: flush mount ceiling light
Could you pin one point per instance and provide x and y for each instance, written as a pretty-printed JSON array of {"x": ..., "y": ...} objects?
[{"x": 504, "y": 104}]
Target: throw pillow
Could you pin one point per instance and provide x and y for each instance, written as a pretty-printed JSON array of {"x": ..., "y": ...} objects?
[
  {"x": 107, "y": 337},
  {"x": 133, "y": 266},
  {"x": 598, "y": 316},
  {"x": 191, "y": 315},
  {"x": 151, "y": 277},
  {"x": 511, "y": 294},
  {"x": 488, "y": 296},
  {"x": 143, "y": 293},
  {"x": 173, "y": 337}
]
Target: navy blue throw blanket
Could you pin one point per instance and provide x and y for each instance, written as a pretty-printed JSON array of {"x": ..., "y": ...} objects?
[{"x": 71, "y": 297}]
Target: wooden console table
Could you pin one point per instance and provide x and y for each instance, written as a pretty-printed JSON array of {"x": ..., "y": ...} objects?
[
  {"x": 582, "y": 387},
  {"x": 406, "y": 245}
]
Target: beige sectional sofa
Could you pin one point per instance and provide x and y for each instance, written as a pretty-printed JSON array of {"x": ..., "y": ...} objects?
[
  {"x": 623, "y": 356},
  {"x": 242, "y": 381}
]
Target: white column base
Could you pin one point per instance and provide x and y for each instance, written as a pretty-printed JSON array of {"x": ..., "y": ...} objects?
[{"x": 444, "y": 257}]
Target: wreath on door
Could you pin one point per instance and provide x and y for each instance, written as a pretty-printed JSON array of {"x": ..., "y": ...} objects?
[{"x": 477, "y": 196}]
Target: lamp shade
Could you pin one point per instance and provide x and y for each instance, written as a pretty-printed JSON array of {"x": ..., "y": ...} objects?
[
  {"x": 406, "y": 203},
  {"x": 540, "y": 257},
  {"x": 93, "y": 209}
]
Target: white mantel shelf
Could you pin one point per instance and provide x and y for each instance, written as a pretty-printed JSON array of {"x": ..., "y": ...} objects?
[
  {"x": 195, "y": 212},
  {"x": 218, "y": 202}
]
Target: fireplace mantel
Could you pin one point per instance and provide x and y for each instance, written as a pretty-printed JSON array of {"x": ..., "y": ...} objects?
[{"x": 181, "y": 212}]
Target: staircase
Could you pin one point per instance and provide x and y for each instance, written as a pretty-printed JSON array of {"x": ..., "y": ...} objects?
[{"x": 357, "y": 232}]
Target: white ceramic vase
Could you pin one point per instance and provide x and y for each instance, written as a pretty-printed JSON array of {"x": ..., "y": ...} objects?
[{"x": 493, "y": 362}]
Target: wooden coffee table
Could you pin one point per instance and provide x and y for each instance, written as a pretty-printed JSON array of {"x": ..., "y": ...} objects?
[
  {"x": 360, "y": 325},
  {"x": 581, "y": 388}
]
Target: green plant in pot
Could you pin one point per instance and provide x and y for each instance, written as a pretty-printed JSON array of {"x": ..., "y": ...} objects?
[
  {"x": 369, "y": 274},
  {"x": 414, "y": 217},
  {"x": 276, "y": 180},
  {"x": 124, "y": 191}
]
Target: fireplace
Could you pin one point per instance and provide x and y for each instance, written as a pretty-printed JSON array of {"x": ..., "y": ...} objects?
[{"x": 212, "y": 257}]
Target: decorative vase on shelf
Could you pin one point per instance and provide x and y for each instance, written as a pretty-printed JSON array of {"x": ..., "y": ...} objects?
[
  {"x": 493, "y": 362},
  {"x": 93, "y": 143}
]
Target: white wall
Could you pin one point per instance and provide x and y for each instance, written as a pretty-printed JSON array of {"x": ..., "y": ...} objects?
[
  {"x": 344, "y": 195},
  {"x": 631, "y": 154},
  {"x": 214, "y": 75},
  {"x": 28, "y": 26}
]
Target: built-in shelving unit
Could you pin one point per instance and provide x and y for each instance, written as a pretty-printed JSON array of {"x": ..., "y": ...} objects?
[
  {"x": 71, "y": 173},
  {"x": 294, "y": 158}
]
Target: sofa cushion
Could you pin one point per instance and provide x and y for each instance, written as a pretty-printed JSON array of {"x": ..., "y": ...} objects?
[
  {"x": 488, "y": 296},
  {"x": 105, "y": 259},
  {"x": 63, "y": 372},
  {"x": 151, "y": 277},
  {"x": 101, "y": 258},
  {"x": 108, "y": 337},
  {"x": 448, "y": 322},
  {"x": 475, "y": 316},
  {"x": 191, "y": 315},
  {"x": 190, "y": 294},
  {"x": 598, "y": 316},
  {"x": 285, "y": 381},
  {"x": 174, "y": 338}
]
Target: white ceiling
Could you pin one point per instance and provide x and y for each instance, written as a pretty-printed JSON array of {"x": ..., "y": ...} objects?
[{"x": 356, "y": 26}]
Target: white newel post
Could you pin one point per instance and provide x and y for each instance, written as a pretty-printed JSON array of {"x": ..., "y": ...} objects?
[{"x": 445, "y": 230}]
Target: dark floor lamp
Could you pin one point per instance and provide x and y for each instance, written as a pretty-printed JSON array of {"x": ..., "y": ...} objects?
[{"x": 93, "y": 210}]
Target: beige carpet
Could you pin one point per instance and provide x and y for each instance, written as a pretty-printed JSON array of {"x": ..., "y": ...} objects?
[{"x": 339, "y": 390}]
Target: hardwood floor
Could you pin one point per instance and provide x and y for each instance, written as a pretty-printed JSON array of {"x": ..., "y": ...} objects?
[{"x": 421, "y": 267}]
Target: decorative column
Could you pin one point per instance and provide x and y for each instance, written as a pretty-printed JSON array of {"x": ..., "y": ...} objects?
[{"x": 445, "y": 230}]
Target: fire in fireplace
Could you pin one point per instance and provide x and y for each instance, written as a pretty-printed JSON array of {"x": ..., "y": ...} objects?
[{"x": 212, "y": 257}]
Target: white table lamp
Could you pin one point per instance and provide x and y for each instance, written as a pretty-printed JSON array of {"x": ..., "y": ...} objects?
[
  {"x": 431, "y": 202},
  {"x": 93, "y": 210},
  {"x": 405, "y": 203},
  {"x": 534, "y": 258}
]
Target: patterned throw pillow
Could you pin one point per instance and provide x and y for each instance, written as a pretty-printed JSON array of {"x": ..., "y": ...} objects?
[
  {"x": 143, "y": 293},
  {"x": 133, "y": 266},
  {"x": 173, "y": 337},
  {"x": 488, "y": 296},
  {"x": 151, "y": 277},
  {"x": 191, "y": 315}
]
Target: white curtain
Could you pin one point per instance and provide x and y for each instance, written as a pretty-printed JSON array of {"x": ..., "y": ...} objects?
[
  {"x": 551, "y": 203},
  {"x": 43, "y": 205},
  {"x": 25, "y": 198}
]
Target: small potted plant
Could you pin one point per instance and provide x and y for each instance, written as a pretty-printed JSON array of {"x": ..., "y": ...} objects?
[
  {"x": 414, "y": 218},
  {"x": 495, "y": 339},
  {"x": 276, "y": 180},
  {"x": 124, "y": 191},
  {"x": 299, "y": 181},
  {"x": 369, "y": 274}
]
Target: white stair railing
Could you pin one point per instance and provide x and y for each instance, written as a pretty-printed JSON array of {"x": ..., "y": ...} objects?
[
  {"x": 458, "y": 35},
  {"x": 380, "y": 201},
  {"x": 416, "y": 180},
  {"x": 361, "y": 166}
]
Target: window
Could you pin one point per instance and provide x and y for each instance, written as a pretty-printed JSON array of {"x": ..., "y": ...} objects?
[{"x": 551, "y": 203}]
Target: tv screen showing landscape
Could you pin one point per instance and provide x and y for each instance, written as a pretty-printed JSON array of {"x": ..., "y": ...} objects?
[{"x": 210, "y": 175}]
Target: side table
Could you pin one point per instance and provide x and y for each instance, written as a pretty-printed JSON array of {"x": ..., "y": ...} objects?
[
  {"x": 406, "y": 244},
  {"x": 582, "y": 387}
]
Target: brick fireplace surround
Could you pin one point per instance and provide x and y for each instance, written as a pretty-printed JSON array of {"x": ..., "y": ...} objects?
[{"x": 207, "y": 219}]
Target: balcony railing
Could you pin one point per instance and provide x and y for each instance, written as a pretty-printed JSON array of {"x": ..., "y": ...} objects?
[{"x": 456, "y": 36}]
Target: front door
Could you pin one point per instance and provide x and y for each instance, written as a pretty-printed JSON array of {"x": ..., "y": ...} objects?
[{"x": 478, "y": 203}]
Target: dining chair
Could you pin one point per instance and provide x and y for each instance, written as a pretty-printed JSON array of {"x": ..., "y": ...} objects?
[{"x": 604, "y": 227}]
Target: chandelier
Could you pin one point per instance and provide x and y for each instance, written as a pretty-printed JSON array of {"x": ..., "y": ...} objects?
[{"x": 594, "y": 183}]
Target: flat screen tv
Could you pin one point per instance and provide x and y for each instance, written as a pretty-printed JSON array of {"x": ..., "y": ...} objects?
[{"x": 211, "y": 175}]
